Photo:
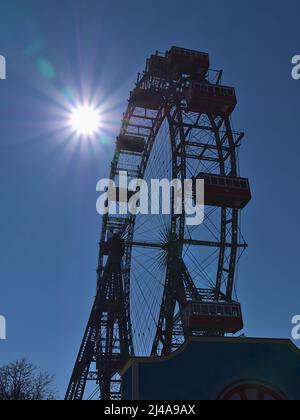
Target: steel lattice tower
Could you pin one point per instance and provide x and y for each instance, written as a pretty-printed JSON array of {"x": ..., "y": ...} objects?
[{"x": 106, "y": 344}]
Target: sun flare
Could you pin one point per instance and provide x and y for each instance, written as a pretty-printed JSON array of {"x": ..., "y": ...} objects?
[{"x": 85, "y": 120}]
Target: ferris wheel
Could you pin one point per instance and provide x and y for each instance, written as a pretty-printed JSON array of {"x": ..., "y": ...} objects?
[{"x": 159, "y": 279}]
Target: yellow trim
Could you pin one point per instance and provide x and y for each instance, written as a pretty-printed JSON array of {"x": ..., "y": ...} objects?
[{"x": 156, "y": 359}]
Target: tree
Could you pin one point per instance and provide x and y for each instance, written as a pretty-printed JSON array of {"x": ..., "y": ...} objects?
[{"x": 21, "y": 380}]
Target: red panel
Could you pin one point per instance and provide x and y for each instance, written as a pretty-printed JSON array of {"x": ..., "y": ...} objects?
[
  {"x": 158, "y": 66},
  {"x": 226, "y": 324},
  {"x": 189, "y": 62},
  {"x": 226, "y": 197},
  {"x": 206, "y": 102},
  {"x": 131, "y": 144},
  {"x": 146, "y": 99}
]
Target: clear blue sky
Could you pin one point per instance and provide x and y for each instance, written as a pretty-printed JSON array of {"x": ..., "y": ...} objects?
[{"x": 48, "y": 224}]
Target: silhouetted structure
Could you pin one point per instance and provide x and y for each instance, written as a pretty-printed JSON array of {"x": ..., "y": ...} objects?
[{"x": 176, "y": 126}]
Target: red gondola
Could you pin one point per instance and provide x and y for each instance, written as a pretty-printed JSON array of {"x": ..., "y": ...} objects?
[
  {"x": 143, "y": 98},
  {"x": 184, "y": 61},
  {"x": 213, "y": 316},
  {"x": 157, "y": 66},
  {"x": 133, "y": 144},
  {"x": 221, "y": 191},
  {"x": 211, "y": 99}
]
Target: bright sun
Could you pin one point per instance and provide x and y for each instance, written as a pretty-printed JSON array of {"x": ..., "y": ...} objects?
[{"x": 85, "y": 120}]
